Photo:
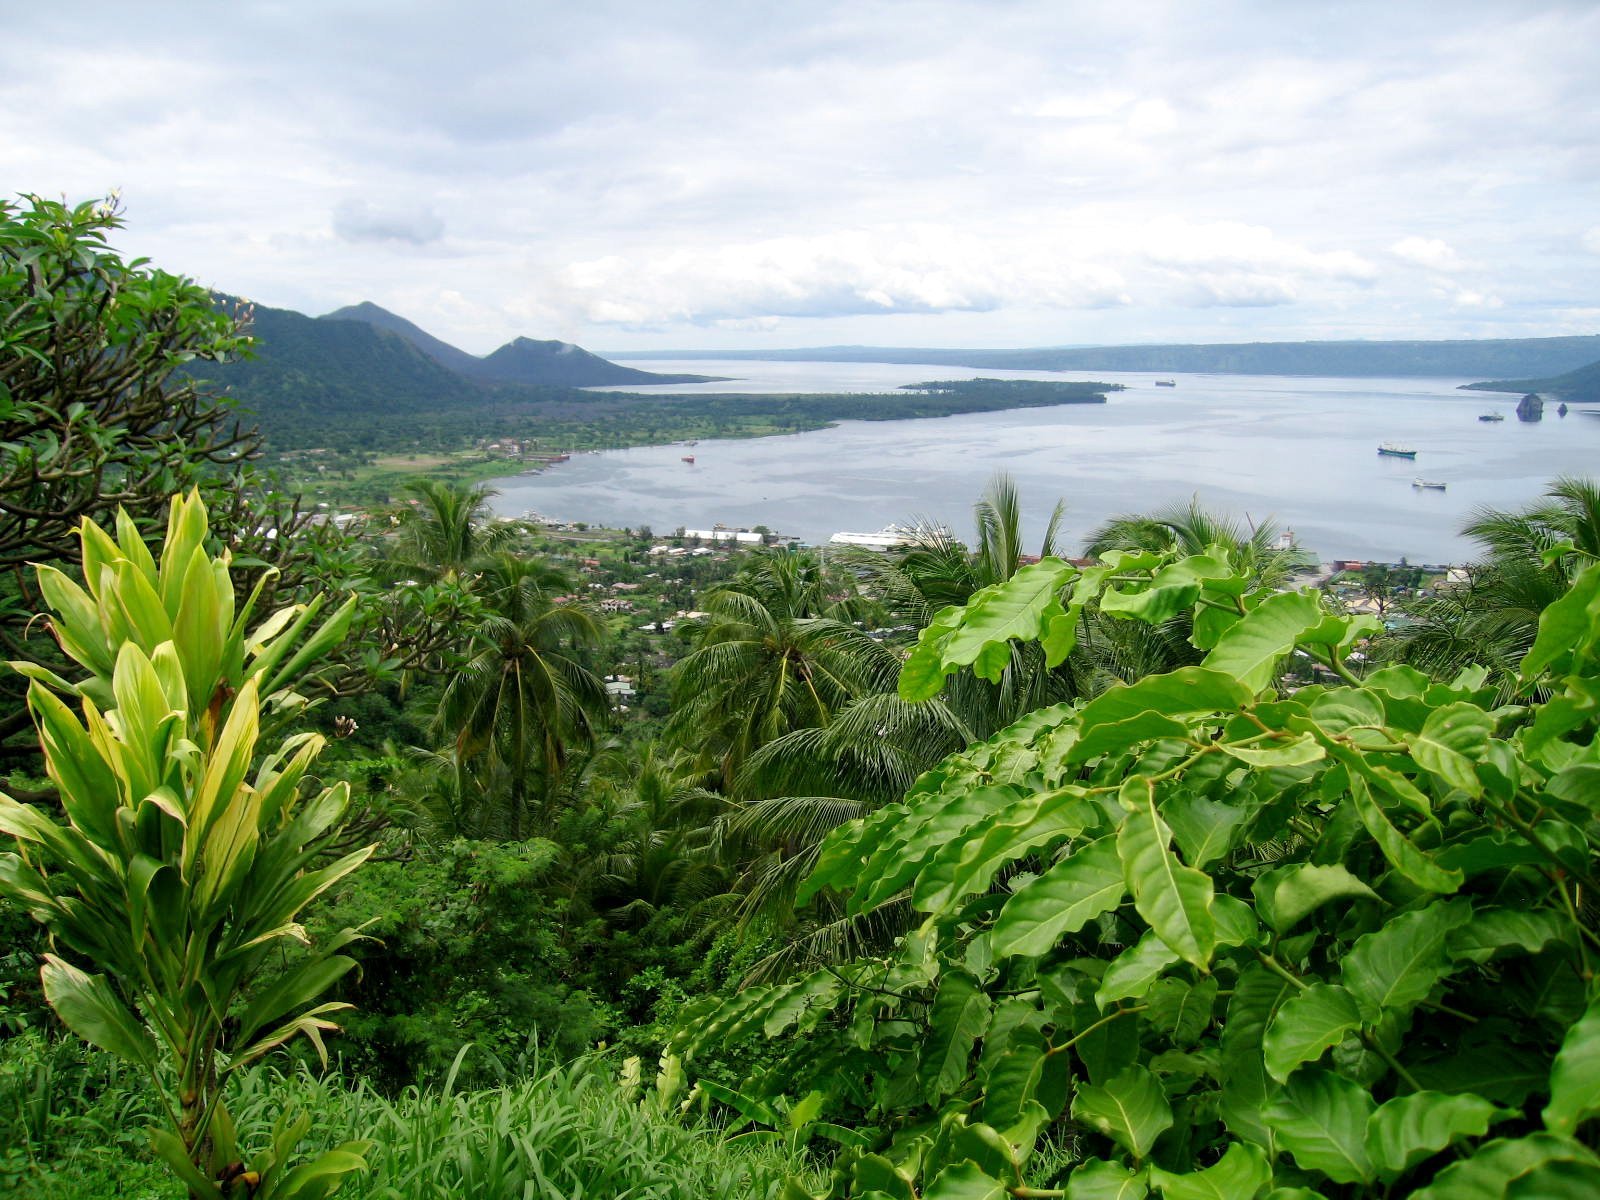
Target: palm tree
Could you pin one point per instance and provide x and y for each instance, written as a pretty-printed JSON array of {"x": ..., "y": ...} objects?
[
  {"x": 1493, "y": 618},
  {"x": 1256, "y": 548},
  {"x": 1130, "y": 650},
  {"x": 523, "y": 698},
  {"x": 940, "y": 571},
  {"x": 777, "y": 652},
  {"x": 663, "y": 855},
  {"x": 448, "y": 530}
]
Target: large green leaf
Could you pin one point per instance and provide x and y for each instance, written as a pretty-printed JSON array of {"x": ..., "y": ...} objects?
[
  {"x": 1566, "y": 626},
  {"x": 1402, "y": 854},
  {"x": 1452, "y": 739},
  {"x": 1517, "y": 931},
  {"x": 1308, "y": 1024},
  {"x": 1170, "y": 591},
  {"x": 965, "y": 1181},
  {"x": 1097, "y": 1179},
  {"x": 1408, "y": 1129},
  {"x": 1175, "y": 899},
  {"x": 968, "y": 864},
  {"x": 1394, "y": 968},
  {"x": 1130, "y": 1108},
  {"x": 1131, "y": 973},
  {"x": 1182, "y": 692},
  {"x": 1494, "y": 1171},
  {"x": 1204, "y": 829},
  {"x": 1063, "y": 900},
  {"x": 1245, "y": 1084},
  {"x": 979, "y": 634},
  {"x": 1239, "y": 1174},
  {"x": 1287, "y": 895},
  {"x": 960, "y": 1013},
  {"x": 87, "y": 1006},
  {"x": 1321, "y": 1119},
  {"x": 1252, "y": 648},
  {"x": 1575, "y": 1077}
]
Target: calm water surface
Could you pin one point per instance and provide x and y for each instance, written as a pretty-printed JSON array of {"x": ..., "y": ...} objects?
[{"x": 1301, "y": 451}]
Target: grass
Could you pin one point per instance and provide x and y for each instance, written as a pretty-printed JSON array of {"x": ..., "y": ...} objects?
[{"x": 72, "y": 1122}]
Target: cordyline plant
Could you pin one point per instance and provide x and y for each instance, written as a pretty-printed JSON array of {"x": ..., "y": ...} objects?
[
  {"x": 1203, "y": 936},
  {"x": 187, "y": 850}
]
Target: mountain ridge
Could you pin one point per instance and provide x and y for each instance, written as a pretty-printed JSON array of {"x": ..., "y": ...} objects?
[
  {"x": 1458, "y": 358},
  {"x": 523, "y": 360}
]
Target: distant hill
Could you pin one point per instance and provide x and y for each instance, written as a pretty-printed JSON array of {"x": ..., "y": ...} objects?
[
  {"x": 1582, "y": 385},
  {"x": 312, "y": 369},
  {"x": 1452, "y": 359},
  {"x": 441, "y": 352},
  {"x": 561, "y": 364},
  {"x": 525, "y": 360}
]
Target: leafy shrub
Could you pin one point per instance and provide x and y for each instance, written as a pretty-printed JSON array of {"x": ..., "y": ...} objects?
[{"x": 1213, "y": 940}]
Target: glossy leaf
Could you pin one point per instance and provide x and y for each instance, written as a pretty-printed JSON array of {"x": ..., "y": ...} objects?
[
  {"x": 1287, "y": 895},
  {"x": 1175, "y": 899},
  {"x": 1309, "y": 1023},
  {"x": 960, "y": 1013},
  {"x": 1408, "y": 1129},
  {"x": 1405, "y": 857},
  {"x": 1493, "y": 1171},
  {"x": 1394, "y": 968},
  {"x": 1097, "y": 1179},
  {"x": 1240, "y": 1174},
  {"x": 1063, "y": 900},
  {"x": 1321, "y": 1119},
  {"x": 1251, "y": 649},
  {"x": 1130, "y": 1109},
  {"x": 1575, "y": 1077}
]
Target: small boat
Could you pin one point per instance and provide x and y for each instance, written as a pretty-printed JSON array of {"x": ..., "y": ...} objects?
[
  {"x": 1492, "y": 416},
  {"x": 1396, "y": 450},
  {"x": 1166, "y": 383},
  {"x": 689, "y": 458},
  {"x": 1428, "y": 484}
]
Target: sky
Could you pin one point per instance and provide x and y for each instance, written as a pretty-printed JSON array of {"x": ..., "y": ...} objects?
[{"x": 746, "y": 175}]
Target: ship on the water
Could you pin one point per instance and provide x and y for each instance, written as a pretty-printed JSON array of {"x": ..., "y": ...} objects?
[
  {"x": 1396, "y": 450},
  {"x": 1166, "y": 383},
  {"x": 891, "y": 537},
  {"x": 1492, "y": 416},
  {"x": 1428, "y": 484}
]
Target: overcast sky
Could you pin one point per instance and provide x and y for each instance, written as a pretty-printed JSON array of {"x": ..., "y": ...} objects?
[{"x": 653, "y": 174}]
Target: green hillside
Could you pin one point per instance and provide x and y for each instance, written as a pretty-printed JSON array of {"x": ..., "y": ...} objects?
[{"x": 1582, "y": 385}]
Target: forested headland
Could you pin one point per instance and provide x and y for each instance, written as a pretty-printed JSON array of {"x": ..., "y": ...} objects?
[{"x": 430, "y": 854}]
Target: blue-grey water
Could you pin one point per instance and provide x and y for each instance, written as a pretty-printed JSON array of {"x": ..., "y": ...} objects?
[{"x": 1300, "y": 451}]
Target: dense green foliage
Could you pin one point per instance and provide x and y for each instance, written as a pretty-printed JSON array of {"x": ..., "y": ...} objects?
[
  {"x": 542, "y": 1133},
  {"x": 1223, "y": 939},
  {"x": 949, "y": 873}
]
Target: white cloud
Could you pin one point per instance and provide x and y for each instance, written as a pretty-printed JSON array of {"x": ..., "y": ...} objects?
[
  {"x": 1019, "y": 170},
  {"x": 1431, "y": 253}
]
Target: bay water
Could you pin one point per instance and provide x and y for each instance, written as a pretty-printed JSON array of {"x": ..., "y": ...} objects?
[{"x": 1300, "y": 451}]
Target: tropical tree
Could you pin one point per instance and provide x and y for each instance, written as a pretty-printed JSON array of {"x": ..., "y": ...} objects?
[
  {"x": 449, "y": 528},
  {"x": 523, "y": 697},
  {"x": 939, "y": 571},
  {"x": 187, "y": 849},
  {"x": 662, "y": 853},
  {"x": 777, "y": 651},
  {"x": 1531, "y": 556},
  {"x": 1125, "y": 651}
]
